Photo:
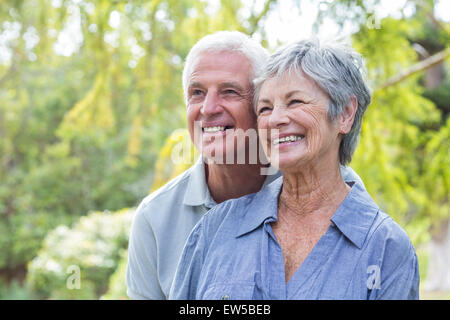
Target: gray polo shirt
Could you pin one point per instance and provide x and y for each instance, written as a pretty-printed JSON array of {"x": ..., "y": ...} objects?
[{"x": 161, "y": 226}]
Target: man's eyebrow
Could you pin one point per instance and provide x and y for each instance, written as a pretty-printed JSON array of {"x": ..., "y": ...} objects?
[
  {"x": 231, "y": 84},
  {"x": 195, "y": 85}
]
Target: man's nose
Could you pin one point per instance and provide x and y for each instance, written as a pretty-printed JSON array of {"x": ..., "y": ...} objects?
[
  {"x": 278, "y": 117},
  {"x": 211, "y": 104}
]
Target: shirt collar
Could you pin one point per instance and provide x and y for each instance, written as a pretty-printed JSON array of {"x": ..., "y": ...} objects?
[
  {"x": 353, "y": 218},
  {"x": 356, "y": 214},
  {"x": 271, "y": 178},
  {"x": 263, "y": 206},
  {"x": 197, "y": 192}
]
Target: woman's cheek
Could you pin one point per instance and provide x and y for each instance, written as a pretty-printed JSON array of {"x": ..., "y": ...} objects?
[{"x": 264, "y": 135}]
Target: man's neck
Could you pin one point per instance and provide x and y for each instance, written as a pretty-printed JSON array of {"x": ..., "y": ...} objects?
[{"x": 227, "y": 181}]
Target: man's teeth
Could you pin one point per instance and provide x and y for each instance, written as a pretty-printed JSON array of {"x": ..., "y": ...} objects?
[
  {"x": 213, "y": 129},
  {"x": 287, "y": 139}
]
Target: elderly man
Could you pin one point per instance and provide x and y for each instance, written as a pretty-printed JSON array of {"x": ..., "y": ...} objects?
[{"x": 218, "y": 87}]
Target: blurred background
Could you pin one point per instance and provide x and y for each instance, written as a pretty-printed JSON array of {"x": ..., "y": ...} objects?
[{"x": 91, "y": 109}]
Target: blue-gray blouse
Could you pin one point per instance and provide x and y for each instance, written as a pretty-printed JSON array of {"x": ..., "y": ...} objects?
[{"x": 232, "y": 253}]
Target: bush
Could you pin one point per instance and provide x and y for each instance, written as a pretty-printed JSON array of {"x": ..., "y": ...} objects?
[
  {"x": 117, "y": 289},
  {"x": 76, "y": 263},
  {"x": 14, "y": 291}
]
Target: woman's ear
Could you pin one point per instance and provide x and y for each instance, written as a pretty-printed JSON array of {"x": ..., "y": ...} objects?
[{"x": 348, "y": 115}]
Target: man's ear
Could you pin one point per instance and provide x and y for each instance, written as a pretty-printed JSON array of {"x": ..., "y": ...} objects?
[{"x": 348, "y": 115}]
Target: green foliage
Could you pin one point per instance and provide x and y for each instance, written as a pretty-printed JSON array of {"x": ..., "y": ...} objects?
[
  {"x": 440, "y": 96},
  {"x": 94, "y": 245},
  {"x": 436, "y": 176},
  {"x": 117, "y": 289},
  {"x": 402, "y": 157},
  {"x": 82, "y": 121},
  {"x": 176, "y": 156},
  {"x": 14, "y": 291}
]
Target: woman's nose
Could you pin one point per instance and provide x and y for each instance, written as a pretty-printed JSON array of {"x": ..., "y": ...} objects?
[{"x": 278, "y": 117}]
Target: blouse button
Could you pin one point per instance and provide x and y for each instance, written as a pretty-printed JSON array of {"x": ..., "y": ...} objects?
[{"x": 225, "y": 297}]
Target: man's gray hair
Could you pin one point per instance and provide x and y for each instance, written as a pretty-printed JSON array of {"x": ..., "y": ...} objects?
[
  {"x": 226, "y": 41},
  {"x": 337, "y": 69}
]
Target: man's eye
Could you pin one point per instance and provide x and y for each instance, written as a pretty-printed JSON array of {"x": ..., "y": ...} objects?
[
  {"x": 196, "y": 92},
  {"x": 230, "y": 92}
]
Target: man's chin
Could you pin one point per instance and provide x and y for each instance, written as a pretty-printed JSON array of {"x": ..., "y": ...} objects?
[
  {"x": 214, "y": 155},
  {"x": 225, "y": 156}
]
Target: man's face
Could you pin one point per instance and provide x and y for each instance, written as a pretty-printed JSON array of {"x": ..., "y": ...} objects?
[{"x": 220, "y": 96}]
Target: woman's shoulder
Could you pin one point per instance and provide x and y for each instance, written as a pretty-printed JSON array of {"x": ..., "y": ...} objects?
[
  {"x": 385, "y": 226},
  {"x": 390, "y": 239},
  {"x": 384, "y": 231}
]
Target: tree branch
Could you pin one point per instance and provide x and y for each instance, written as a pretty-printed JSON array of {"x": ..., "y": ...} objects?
[
  {"x": 420, "y": 66},
  {"x": 254, "y": 19},
  {"x": 438, "y": 24}
]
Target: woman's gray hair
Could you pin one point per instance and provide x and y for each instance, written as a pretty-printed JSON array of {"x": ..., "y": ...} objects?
[
  {"x": 337, "y": 69},
  {"x": 226, "y": 41}
]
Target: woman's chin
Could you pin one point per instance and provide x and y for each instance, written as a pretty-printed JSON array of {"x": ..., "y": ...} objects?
[{"x": 288, "y": 164}]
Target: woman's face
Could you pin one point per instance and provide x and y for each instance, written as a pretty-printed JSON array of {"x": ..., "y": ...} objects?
[{"x": 295, "y": 105}]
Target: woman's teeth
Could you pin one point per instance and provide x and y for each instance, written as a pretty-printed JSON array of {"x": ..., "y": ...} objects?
[{"x": 287, "y": 139}]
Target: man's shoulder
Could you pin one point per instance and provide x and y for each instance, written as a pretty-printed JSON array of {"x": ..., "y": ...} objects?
[{"x": 165, "y": 197}]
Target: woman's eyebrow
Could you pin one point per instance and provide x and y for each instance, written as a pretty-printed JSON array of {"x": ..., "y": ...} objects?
[
  {"x": 264, "y": 100},
  {"x": 291, "y": 93}
]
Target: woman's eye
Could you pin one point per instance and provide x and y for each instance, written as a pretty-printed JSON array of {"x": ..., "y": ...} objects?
[
  {"x": 294, "y": 102},
  {"x": 263, "y": 110}
]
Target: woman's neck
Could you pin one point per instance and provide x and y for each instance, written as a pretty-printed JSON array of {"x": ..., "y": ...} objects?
[{"x": 317, "y": 189}]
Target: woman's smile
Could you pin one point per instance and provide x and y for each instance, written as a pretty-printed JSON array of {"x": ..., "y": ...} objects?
[
  {"x": 285, "y": 142},
  {"x": 296, "y": 107}
]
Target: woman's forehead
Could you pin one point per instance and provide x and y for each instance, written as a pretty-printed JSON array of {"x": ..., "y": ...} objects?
[{"x": 288, "y": 81}]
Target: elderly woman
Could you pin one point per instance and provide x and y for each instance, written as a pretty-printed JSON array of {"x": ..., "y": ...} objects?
[{"x": 309, "y": 234}]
